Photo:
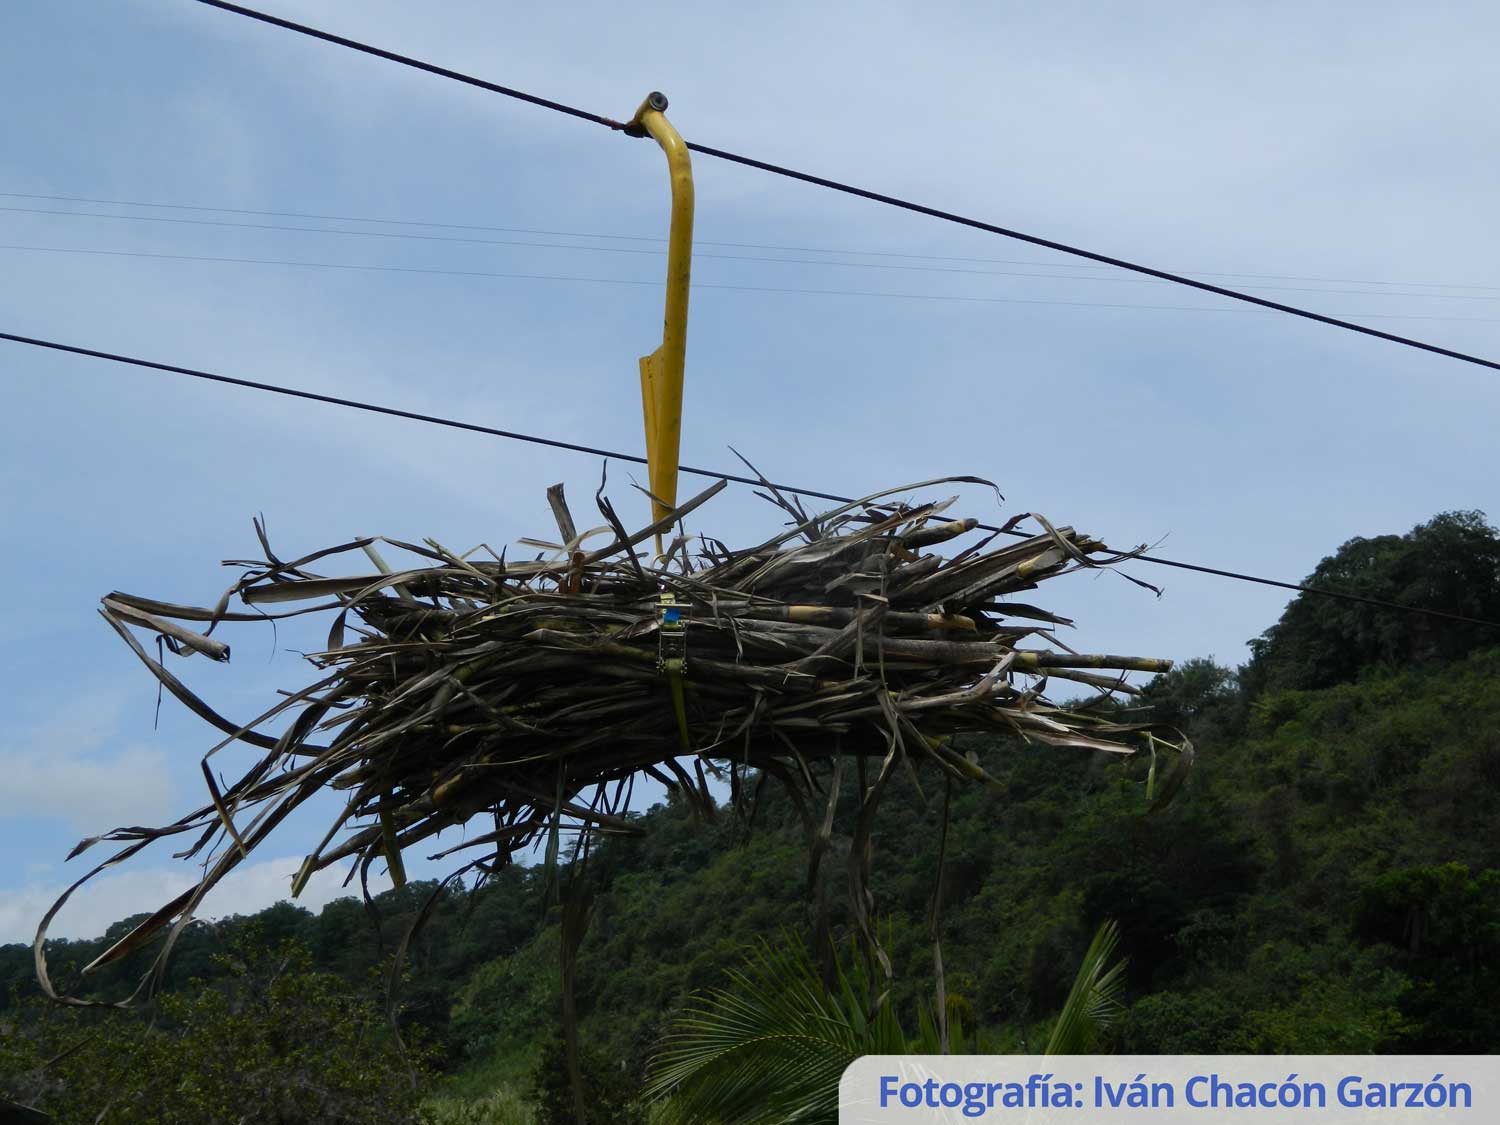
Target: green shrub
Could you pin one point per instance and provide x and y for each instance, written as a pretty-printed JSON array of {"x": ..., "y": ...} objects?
[{"x": 609, "y": 1091}]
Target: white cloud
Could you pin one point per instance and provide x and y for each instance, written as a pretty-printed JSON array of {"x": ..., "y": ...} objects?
[
  {"x": 111, "y": 896},
  {"x": 72, "y": 769}
]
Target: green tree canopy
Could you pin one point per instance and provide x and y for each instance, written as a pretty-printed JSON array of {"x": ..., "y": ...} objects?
[
  {"x": 272, "y": 1040},
  {"x": 1450, "y": 563}
]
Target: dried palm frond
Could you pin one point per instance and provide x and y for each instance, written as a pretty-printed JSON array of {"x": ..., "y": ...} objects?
[{"x": 526, "y": 696}]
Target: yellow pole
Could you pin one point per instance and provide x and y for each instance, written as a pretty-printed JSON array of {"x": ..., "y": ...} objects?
[{"x": 662, "y": 370}]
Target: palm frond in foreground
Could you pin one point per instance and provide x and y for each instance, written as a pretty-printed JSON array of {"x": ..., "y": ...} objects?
[{"x": 771, "y": 1046}]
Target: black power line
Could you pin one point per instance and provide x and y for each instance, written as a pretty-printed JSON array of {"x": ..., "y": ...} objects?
[
  {"x": 406, "y": 60},
  {"x": 1105, "y": 259},
  {"x": 452, "y": 423},
  {"x": 865, "y": 193}
]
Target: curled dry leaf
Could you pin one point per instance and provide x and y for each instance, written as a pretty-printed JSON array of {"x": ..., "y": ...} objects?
[{"x": 529, "y": 694}]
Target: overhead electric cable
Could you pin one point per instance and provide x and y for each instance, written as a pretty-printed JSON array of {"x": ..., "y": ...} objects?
[
  {"x": 737, "y": 245},
  {"x": 863, "y": 193},
  {"x": 453, "y": 423},
  {"x": 697, "y": 285},
  {"x": 277, "y": 227}
]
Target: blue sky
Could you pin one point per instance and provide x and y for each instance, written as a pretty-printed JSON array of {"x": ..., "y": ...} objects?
[{"x": 1326, "y": 141}]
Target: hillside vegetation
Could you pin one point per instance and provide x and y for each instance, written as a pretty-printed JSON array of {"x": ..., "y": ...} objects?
[{"x": 1327, "y": 880}]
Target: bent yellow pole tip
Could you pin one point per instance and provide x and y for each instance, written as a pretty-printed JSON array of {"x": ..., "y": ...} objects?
[
  {"x": 662, "y": 371},
  {"x": 655, "y": 100}
]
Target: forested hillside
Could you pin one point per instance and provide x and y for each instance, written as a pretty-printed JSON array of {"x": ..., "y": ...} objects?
[{"x": 1326, "y": 880}]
